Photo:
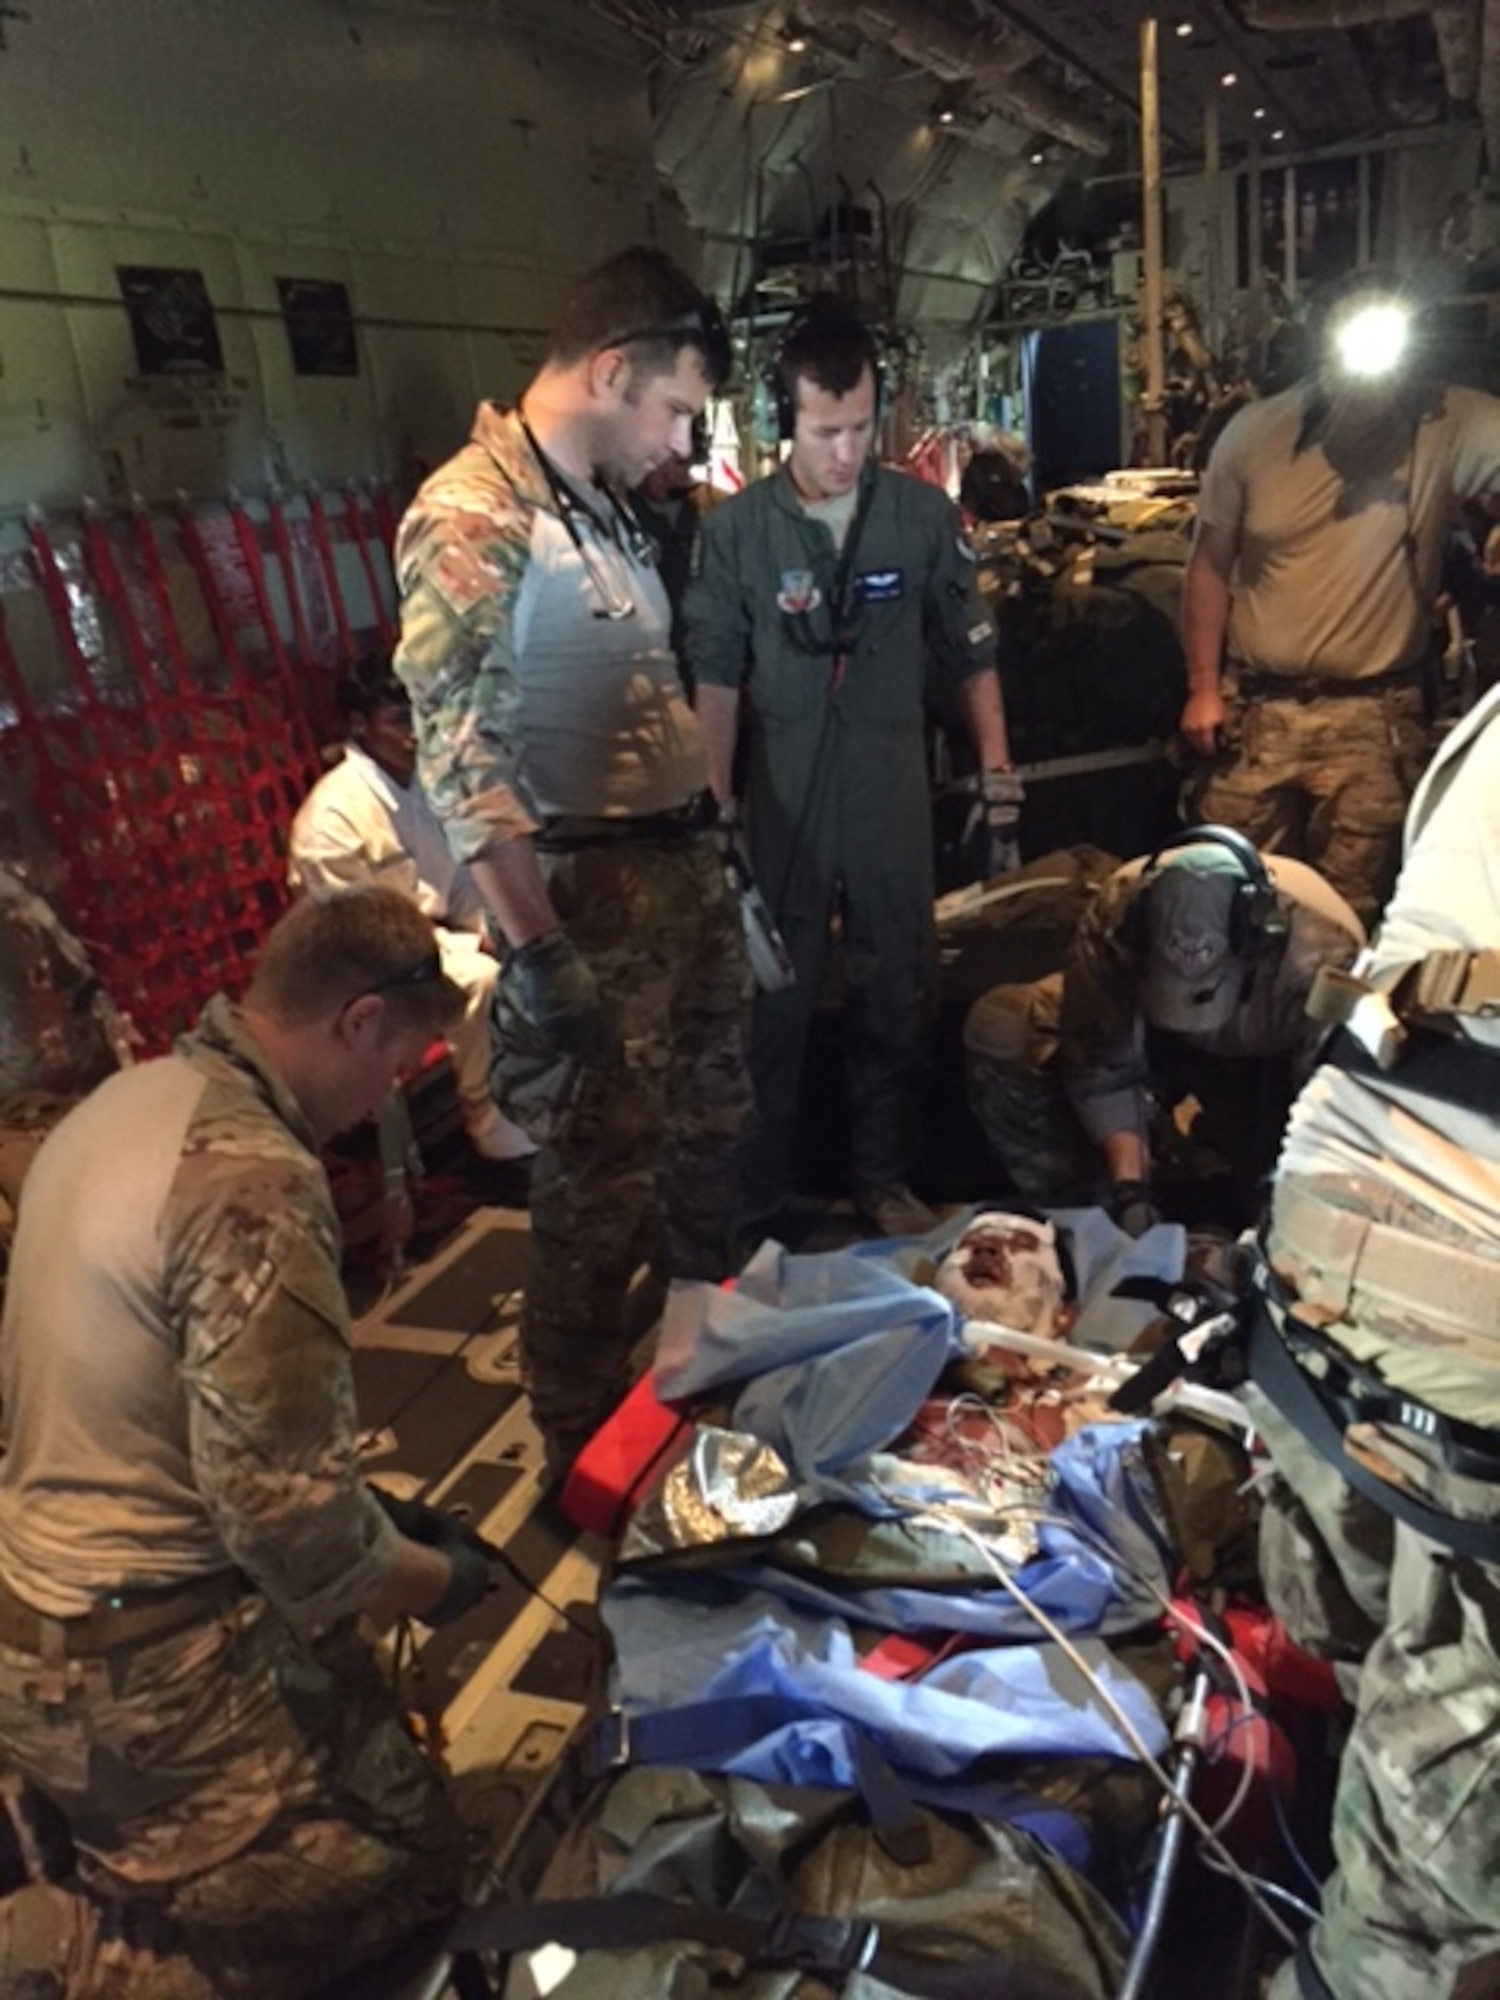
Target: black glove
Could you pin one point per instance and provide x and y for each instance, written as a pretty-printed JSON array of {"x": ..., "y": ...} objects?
[
  {"x": 555, "y": 992},
  {"x": 470, "y": 1580},
  {"x": 1131, "y": 1207},
  {"x": 469, "y": 1555},
  {"x": 417, "y": 1521}
]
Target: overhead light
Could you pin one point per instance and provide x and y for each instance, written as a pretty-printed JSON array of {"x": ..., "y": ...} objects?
[
  {"x": 1229, "y": 79},
  {"x": 1039, "y": 159},
  {"x": 794, "y": 35},
  {"x": 956, "y": 108},
  {"x": 1278, "y": 134},
  {"x": 1184, "y": 30},
  {"x": 1259, "y": 111}
]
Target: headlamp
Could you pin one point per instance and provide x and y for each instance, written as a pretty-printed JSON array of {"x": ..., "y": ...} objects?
[{"x": 1371, "y": 340}]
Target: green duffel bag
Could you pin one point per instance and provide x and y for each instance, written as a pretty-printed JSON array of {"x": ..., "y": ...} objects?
[{"x": 673, "y": 1885}]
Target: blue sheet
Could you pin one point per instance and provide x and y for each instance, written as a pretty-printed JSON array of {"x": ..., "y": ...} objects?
[{"x": 834, "y": 1355}]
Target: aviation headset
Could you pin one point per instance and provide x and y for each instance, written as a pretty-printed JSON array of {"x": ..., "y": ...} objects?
[
  {"x": 825, "y": 318},
  {"x": 1257, "y": 925}
]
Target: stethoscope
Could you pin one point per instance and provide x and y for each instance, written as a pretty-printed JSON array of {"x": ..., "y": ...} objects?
[{"x": 622, "y": 530}]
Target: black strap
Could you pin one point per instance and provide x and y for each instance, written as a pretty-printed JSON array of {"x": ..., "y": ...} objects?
[
  {"x": 1448, "y": 1067},
  {"x": 829, "y": 1948},
  {"x": 842, "y": 643},
  {"x": 842, "y": 638},
  {"x": 699, "y": 1735},
  {"x": 1274, "y": 1371},
  {"x": 1362, "y": 1395}
]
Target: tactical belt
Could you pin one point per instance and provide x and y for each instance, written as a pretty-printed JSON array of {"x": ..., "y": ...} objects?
[
  {"x": 1321, "y": 687},
  {"x": 126, "y": 1618},
  {"x": 1321, "y": 1410},
  {"x": 568, "y": 832}
]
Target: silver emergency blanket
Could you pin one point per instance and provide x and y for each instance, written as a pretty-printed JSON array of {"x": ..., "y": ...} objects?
[{"x": 729, "y": 1485}]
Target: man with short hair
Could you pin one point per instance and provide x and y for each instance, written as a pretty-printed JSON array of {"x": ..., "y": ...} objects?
[
  {"x": 819, "y": 591},
  {"x": 1308, "y": 598},
  {"x": 367, "y": 821},
  {"x": 1185, "y": 983},
  {"x": 559, "y": 750},
  {"x": 185, "y": 1538}
]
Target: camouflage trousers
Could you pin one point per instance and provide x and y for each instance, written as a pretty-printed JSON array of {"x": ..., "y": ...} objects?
[
  {"x": 1412, "y": 1911},
  {"x": 638, "y": 1154},
  {"x": 1325, "y": 780},
  {"x": 1016, "y": 1093},
  {"x": 251, "y": 1817}
]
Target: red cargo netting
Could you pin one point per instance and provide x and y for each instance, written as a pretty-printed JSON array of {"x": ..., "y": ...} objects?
[{"x": 160, "y": 726}]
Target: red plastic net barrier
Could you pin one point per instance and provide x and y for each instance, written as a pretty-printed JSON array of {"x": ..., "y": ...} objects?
[{"x": 159, "y": 729}]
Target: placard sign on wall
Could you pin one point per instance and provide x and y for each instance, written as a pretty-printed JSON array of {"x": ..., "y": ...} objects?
[
  {"x": 319, "y": 325},
  {"x": 171, "y": 321}
]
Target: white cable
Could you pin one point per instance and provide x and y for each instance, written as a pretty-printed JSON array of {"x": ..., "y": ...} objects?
[
  {"x": 950, "y": 1521},
  {"x": 1244, "y": 1700},
  {"x": 1272, "y": 1889}
]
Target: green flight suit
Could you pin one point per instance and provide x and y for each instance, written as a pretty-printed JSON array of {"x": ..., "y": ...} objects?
[{"x": 838, "y": 813}]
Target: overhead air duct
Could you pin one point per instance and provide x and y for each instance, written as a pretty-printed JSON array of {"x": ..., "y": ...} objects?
[
  {"x": 991, "y": 60},
  {"x": 1455, "y": 23},
  {"x": 1489, "y": 87}
]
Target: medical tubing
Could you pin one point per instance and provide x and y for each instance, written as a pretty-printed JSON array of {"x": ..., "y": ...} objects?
[
  {"x": 1200, "y": 1633},
  {"x": 1189, "y": 1737},
  {"x": 952, "y": 1522}
]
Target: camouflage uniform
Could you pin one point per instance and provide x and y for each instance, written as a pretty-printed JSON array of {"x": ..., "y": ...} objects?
[
  {"x": 59, "y": 1032},
  {"x": 1323, "y": 775},
  {"x": 184, "y": 1538},
  {"x": 1057, "y": 1064},
  {"x": 1385, "y": 1231},
  {"x": 1338, "y": 553},
  {"x": 544, "y": 707}
]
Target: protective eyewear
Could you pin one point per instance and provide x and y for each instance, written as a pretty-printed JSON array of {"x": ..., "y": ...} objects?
[
  {"x": 704, "y": 327},
  {"x": 425, "y": 972}
]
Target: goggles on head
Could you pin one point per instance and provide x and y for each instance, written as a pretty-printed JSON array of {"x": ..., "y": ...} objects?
[
  {"x": 703, "y": 327},
  {"x": 425, "y": 972}
]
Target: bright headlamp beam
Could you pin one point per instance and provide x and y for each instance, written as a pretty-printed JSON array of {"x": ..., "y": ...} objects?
[{"x": 1372, "y": 341}]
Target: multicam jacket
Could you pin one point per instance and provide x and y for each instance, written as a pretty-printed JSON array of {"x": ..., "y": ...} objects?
[
  {"x": 177, "y": 1388},
  {"x": 536, "y": 647},
  {"x": 57, "y": 1026}
]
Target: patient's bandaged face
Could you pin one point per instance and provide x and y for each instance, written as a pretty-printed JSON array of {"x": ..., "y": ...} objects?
[{"x": 1005, "y": 1268}]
